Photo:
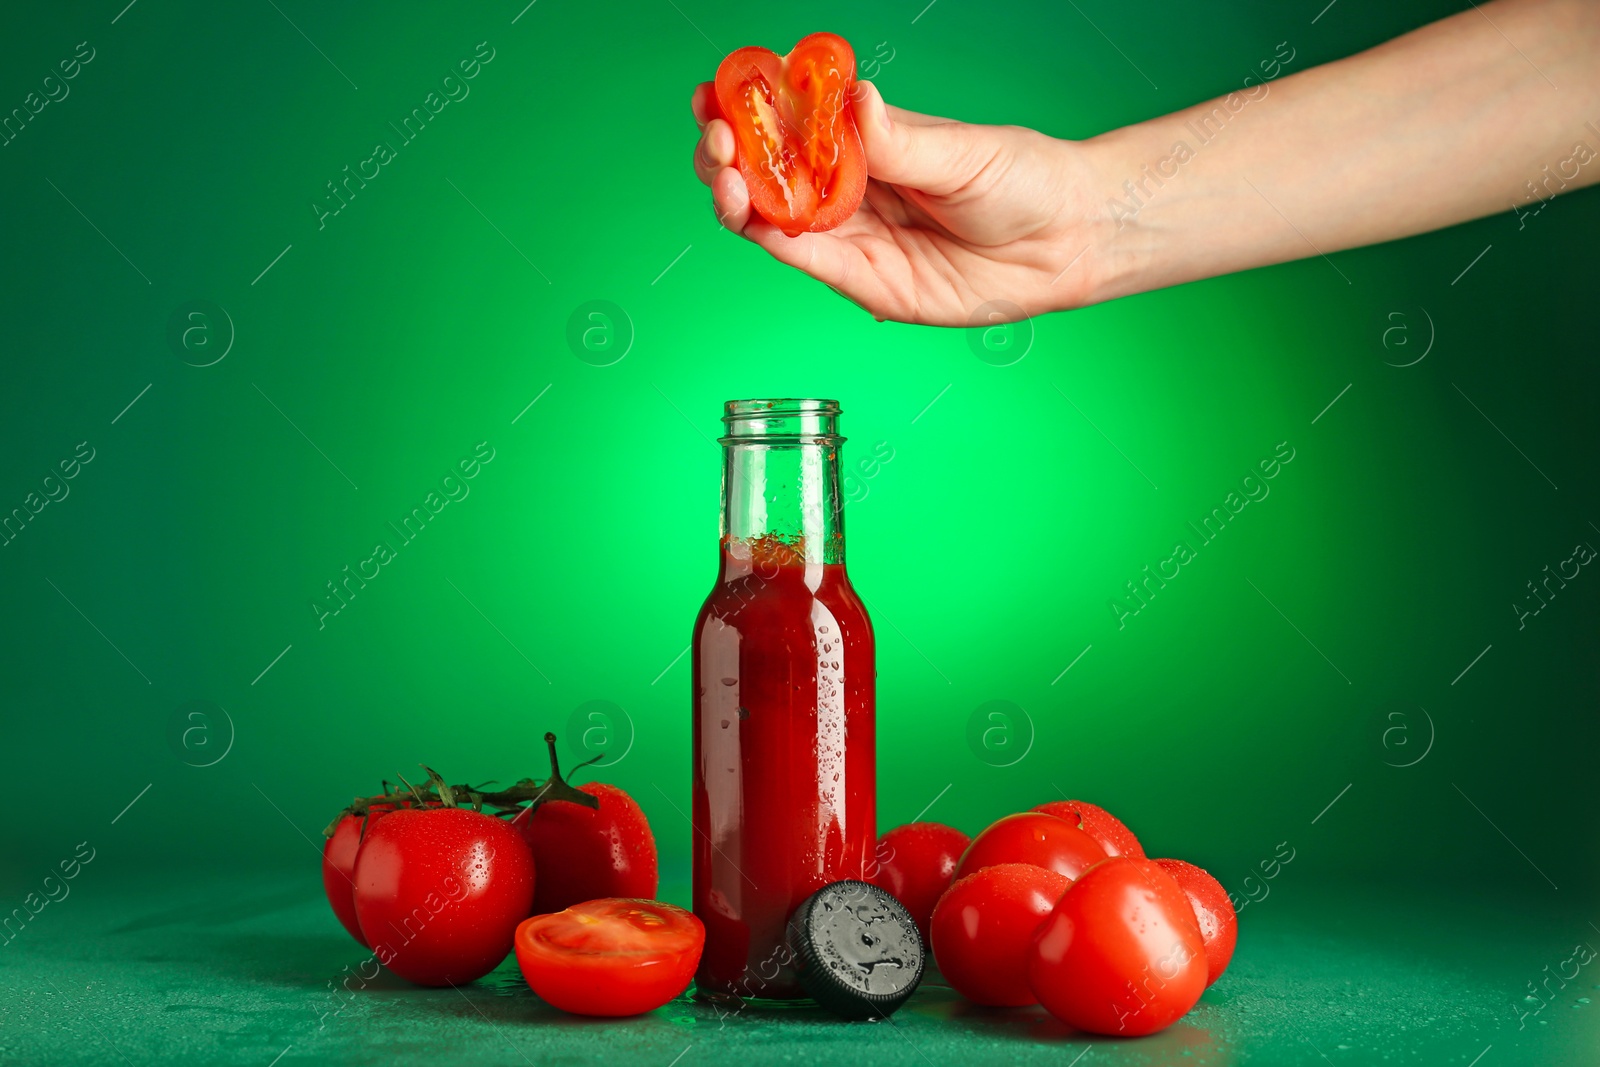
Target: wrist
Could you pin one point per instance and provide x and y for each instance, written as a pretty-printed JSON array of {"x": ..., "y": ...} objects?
[
  {"x": 1098, "y": 249},
  {"x": 1131, "y": 211},
  {"x": 1172, "y": 204}
]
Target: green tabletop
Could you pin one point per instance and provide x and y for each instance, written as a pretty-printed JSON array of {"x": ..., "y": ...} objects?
[{"x": 236, "y": 970}]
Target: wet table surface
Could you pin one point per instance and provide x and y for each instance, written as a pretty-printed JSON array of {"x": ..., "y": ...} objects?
[{"x": 242, "y": 970}]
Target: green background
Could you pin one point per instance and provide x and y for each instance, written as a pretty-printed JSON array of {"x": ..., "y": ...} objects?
[{"x": 1313, "y": 647}]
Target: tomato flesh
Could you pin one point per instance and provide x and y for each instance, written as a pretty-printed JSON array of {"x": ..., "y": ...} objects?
[
  {"x": 799, "y": 151},
  {"x": 1121, "y": 953},
  {"x": 610, "y": 957}
]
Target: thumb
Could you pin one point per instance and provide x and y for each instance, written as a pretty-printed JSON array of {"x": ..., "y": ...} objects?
[{"x": 932, "y": 155}]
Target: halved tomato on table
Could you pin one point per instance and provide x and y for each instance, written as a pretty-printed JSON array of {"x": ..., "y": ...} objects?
[
  {"x": 799, "y": 151},
  {"x": 613, "y": 956}
]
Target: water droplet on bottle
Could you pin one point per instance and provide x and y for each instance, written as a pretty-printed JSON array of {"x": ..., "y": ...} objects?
[
  {"x": 730, "y": 681},
  {"x": 724, "y": 724}
]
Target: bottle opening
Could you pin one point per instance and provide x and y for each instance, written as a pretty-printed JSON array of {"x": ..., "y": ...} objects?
[{"x": 781, "y": 421}]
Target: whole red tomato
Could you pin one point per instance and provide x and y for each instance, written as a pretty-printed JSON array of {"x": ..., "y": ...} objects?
[
  {"x": 1031, "y": 837},
  {"x": 798, "y": 148},
  {"x": 1098, "y": 823},
  {"x": 917, "y": 863},
  {"x": 1219, "y": 923},
  {"x": 439, "y": 892},
  {"x": 1121, "y": 953},
  {"x": 585, "y": 853},
  {"x": 338, "y": 872},
  {"x": 339, "y": 863},
  {"x": 610, "y": 957},
  {"x": 589, "y": 853},
  {"x": 983, "y": 927}
]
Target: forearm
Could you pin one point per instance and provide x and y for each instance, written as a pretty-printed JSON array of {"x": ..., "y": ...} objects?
[{"x": 1449, "y": 123}]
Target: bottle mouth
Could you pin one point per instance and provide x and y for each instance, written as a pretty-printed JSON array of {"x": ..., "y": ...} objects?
[{"x": 781, "y": 421}]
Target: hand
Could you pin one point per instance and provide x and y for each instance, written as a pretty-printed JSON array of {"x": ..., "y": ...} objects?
[{"x": 955, "y": 215}]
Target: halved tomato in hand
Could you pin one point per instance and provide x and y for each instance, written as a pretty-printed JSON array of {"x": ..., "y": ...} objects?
[
  {"x": 610, "y": 957},
  {"x": 799, "y": 151}
]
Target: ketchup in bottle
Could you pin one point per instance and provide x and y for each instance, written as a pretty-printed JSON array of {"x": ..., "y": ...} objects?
[{"x": 784, "y": 677}]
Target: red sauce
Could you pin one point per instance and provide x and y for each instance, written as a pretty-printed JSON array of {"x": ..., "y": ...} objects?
[{"x": 784, "y": 756}]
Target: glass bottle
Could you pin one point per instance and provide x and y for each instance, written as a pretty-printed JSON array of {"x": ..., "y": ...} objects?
[{"x": 784, "y": 680}]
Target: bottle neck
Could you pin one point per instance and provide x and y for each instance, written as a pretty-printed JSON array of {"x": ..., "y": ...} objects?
[{"x": 781, "y": 504}]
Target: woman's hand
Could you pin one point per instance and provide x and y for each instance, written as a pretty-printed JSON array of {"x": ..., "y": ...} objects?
[
  {"x": 1447, "y": 123},
  {"x": 955, "y": 216}
]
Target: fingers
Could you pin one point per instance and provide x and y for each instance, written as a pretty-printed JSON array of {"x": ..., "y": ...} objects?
[
  {"x": 934, "y": 156},
  {"x": 915, "y": 118},
  {"x": 730, "y": 199},
  {"x": 825, "y": 256},
  {"x": 714, "y": 158},
  {"x": 715, "y": 150},
  {"x": 703, "y": 102},
  {"x": 714, "y": 166}
]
